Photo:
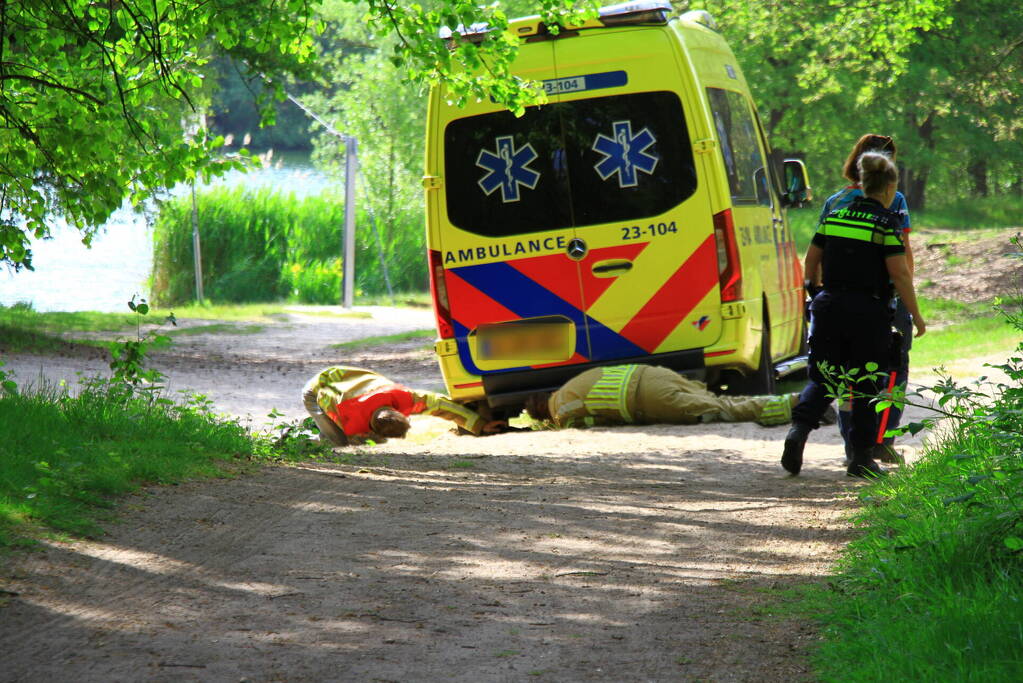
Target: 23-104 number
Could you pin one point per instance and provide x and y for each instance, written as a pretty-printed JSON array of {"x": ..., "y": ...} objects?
[{"x": 634, "y": 232}]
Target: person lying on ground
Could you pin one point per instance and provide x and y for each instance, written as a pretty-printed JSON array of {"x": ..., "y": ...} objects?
[
  {"x": 348, "y": 402},
  {"x": 649, "y": 394}
]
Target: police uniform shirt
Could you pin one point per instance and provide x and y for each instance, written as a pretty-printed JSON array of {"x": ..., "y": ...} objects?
[
  {"x": 848, "y": 195},
  {"x": 856, "y": 240}
]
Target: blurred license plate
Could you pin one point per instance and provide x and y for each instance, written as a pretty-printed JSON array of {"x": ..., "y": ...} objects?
[{"x": 524, "y": 341}]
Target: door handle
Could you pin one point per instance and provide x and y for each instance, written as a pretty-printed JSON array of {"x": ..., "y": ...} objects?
[{"x": 609, "y": 268}]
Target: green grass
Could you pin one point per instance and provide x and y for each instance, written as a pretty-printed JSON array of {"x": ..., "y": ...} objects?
[
  {"x": 971, "y": 219},
  {"x": 803, "y": 223},
  {"x": 66, "y": 457},
  {"x": 329, "y": 313},
  {"x": 23, "y": 329},
  {"x": 260, "y": 245},
  {"x": 383, "y": 340},
  {"x": 412, "y": 299},
  {"x": 214, "y": 328},
  {"x": 24, "y": 318},
  {"x": 999, "y": 211},
  {"x": 956, "y": 329},
  {"x": 933, "y": 588},
  {"x": 932, "y": 591}
]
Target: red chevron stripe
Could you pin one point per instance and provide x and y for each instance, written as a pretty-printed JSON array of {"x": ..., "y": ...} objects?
[
  {"x": 575, "y": 359},
  {"x": 474, "y": 307},
  {"x": 555, "y": 273},
  {"x": 675, "y": 299}
]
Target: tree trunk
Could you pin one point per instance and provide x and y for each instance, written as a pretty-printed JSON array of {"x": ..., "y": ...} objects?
[
  {"x": 978, "y": 174},
  {"x": 915, "y": 181}
]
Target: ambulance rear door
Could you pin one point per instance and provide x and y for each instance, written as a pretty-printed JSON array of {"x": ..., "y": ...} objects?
[
  {"x": 507, "y": 239},
  {"x": 647, "y": 254}
]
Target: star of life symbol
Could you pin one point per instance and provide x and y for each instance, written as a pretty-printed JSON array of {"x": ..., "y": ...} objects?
[
  {"x": 507, "y": 169},
  {"x": 625, "y": 154}
]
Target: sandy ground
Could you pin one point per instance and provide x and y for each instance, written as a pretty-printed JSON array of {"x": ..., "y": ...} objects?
[{"x": 626, "y": 554}]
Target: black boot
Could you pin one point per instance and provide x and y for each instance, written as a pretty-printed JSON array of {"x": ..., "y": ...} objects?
[
  {"x": 863, "y": 465},
  {"x": 795, "y": 440}
]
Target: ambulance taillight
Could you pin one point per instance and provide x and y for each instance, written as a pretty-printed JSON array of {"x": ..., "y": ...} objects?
[
  {"x": 729, "y": 270},
  {"x": 440, "y": 296}
]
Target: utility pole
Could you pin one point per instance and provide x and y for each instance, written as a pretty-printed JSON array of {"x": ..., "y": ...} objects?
[
  {"x": 351, "y": 169},
  {"x": 196, "y": 246}
]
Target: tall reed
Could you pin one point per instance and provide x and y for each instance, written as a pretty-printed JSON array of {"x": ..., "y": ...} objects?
[{"x": 260, "y": 245}]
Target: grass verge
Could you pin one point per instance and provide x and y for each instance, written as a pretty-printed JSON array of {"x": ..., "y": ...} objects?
[
  {"x": 23, "y": 317},
  {"x": 67, "y": 457},
  {"x": 385, "y": 339},
  {"x": 954, "y": 326},
  {"x": 932, "y": 589}
]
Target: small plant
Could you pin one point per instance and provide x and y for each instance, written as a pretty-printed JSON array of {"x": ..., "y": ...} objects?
[
  {"x": 295, "y": 440},
  {"x": 129, "y": 356},
  {"x": 7, "y": 383}
]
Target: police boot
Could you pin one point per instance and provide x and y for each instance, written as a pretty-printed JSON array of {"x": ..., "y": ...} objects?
[
  {"x": 863, "y": 465},
  {"x": 795, "y": 441}
]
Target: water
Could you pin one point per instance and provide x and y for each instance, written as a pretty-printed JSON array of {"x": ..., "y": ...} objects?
[{"x": 69, "y": 276}]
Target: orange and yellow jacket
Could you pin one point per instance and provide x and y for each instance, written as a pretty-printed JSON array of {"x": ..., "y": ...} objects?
[{"x": 349, "y": 396}]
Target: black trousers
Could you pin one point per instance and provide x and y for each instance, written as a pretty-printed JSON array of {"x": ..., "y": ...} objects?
[{"x": 847, "y": 330}]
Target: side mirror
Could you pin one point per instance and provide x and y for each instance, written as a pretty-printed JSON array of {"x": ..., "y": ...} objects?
[{"x": 797, "y": 184}]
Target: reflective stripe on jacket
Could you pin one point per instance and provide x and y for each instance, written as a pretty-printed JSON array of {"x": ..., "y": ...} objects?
[
  {"x": 349, "y": 396},
  {"x": 597, "y": 396}
]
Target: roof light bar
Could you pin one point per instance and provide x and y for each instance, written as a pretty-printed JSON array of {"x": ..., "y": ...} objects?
[
  {"x": 474, "y": 33},
  {"x": 701, "y": 17},
  {"x": 639, "y": 12}
]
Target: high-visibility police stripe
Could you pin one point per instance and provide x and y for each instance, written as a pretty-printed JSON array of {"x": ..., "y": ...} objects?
[
  {"x": 860, "y": 234},
  {"x": 853, "y": 230}
]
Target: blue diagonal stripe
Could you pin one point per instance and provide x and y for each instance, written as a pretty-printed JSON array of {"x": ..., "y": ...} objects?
[{"x": 528, "y": 299}]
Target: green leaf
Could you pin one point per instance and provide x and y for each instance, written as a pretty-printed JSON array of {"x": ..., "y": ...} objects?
[
  {"x": 1013, "y": 543},
  {"x": 959, "y": 499},
  {"x": 915, "y": 427}
]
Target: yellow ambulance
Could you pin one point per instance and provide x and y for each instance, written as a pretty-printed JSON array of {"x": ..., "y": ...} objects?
[{"x": 634, "y": 217}]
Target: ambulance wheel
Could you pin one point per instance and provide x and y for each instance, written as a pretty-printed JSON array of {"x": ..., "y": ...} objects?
[
  {"x": 760, "y": 381},
  {"x": 804, "y": 350}
]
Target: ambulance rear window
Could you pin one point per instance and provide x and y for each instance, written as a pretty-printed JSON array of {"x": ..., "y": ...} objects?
[{"x": 571, "y": 164}]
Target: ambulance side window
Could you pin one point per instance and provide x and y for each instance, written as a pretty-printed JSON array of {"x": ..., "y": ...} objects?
[{"x": 737, "y": 133}]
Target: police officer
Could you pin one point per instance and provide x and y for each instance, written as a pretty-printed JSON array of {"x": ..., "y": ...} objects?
[
  {"x": 649, "y": 394},
  {"x": 872, "y": 142},
  {"x": 859, "y": 253}
]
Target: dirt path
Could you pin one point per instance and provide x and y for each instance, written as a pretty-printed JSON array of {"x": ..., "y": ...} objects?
[{"x": 628, "y": 554}]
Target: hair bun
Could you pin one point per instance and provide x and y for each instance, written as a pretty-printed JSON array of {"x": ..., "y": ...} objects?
[{"x": 877, "y": 170}]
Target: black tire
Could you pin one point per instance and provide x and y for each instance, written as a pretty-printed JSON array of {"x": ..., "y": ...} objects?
[
  {"x": 804, "y": 350},
  {"x": 760, "y": 381}
]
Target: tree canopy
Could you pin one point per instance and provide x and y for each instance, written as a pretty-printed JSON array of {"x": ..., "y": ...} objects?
[
  {"x": 95, "y": 99},
  {"x": 98, "y": 97}
]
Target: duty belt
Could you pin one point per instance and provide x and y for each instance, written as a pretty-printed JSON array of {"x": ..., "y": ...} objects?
[{"x": 875, "y": 292}]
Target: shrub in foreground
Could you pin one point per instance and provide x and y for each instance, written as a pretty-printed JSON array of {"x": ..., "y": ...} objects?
[{"x": 933, "y": 590}]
